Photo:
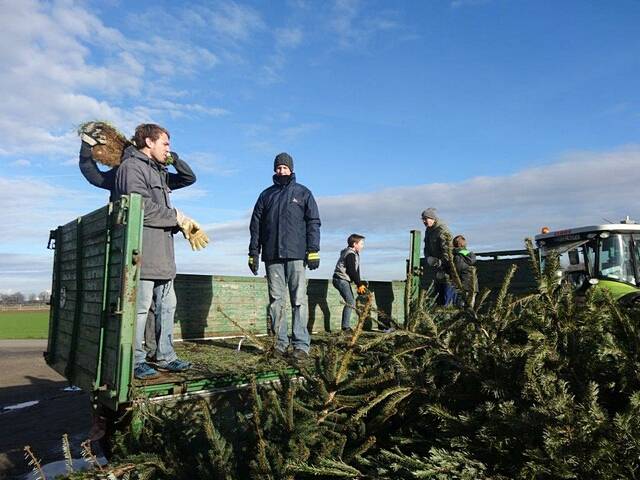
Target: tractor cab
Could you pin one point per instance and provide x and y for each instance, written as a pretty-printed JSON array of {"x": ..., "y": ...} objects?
[{"x": 599, "y": 256}]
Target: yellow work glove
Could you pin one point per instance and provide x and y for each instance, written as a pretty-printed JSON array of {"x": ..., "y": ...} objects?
[
  {"x": 362, "y": 289},
  {"x": 198, "y": 239},
  {"x": 196, "y": 236},
  {"x": 192, "y": 231}
]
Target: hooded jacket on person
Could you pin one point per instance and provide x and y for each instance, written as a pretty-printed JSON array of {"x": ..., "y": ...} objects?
[
  {"x": 286, "y": 222},
  {"x": 464, "y": 260},
  {"x": 436, "y": 245},
  {"x": 140, "y": 174}
]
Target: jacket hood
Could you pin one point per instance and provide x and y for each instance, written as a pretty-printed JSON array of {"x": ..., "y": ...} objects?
[
  {"x": 466, "y": 255},
  {"x": 292, "y": 181}
]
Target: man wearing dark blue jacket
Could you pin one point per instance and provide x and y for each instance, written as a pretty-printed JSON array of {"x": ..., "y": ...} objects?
[{"x": 285, "y": 229}]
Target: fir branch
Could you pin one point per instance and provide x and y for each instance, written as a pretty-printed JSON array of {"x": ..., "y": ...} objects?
[
  {"x": 504, "y": 289},
  {"x": 258, "y": 343},
  {"x": 325, "y": 467},
  {"x": 380, "y": 398},
  {"x": 88, "y": 455},
  {"x": 361, "y": 449},
  {"x": 66, "y": 452},
  {"x": 34, "y": 463}
]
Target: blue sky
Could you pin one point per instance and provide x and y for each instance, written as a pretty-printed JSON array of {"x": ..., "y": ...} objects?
[{"x": 503, "y": 114}]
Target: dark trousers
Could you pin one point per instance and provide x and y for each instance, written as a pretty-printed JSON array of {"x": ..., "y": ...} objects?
[{"x": 445, "y": 294}]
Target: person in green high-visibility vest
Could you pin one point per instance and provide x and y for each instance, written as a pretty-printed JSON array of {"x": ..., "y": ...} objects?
[{"x": 464, "y": 261}]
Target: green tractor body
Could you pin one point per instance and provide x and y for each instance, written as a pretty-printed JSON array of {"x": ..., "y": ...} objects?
[{"x": 601, "y": 257}]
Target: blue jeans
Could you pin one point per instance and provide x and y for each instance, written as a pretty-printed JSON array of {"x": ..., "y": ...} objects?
[
  {"x": 346, "y": 293},
  {"x": 446, "y": 294},
  {"x": 161, "y": 292},
  {"x": 283, "y": 275}
]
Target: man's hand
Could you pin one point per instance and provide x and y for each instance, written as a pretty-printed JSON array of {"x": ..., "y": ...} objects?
[
  {"x": 313, "y": 260},
  {"x": 434, "y": 262},
  {"x": 362, "y": 289},
  {"x": 254, "y": 264},
  {"x": 197, "y": 237},
  {"x": 192, "y": 231},
  {"x": 92, "y": 134}
]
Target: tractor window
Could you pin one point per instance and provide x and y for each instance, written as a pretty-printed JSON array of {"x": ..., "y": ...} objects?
[
  {"x": 573, "y": 258},
  {"x": 616, "y": 258},
  {"x": 573, "y": 266}
]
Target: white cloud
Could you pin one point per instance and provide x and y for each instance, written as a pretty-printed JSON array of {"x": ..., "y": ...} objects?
[
  {"x": 233, "y": 21},
  {"x": 291, "y": 133},
  {"x": 210, "y": 163},
  {"x": 62, "y": 65},
  {"x": 281, "y": 129},
  {"x": 288, "y": 37},
  {"x": 354, "y": 27},
  {"x": 21, "y": 163}
]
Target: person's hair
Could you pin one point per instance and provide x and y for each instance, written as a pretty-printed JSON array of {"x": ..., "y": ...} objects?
[
  {"x": 459, "y": 241},
  {"x": 147, "y": 130},
  {"x": 354, "y": 238}
]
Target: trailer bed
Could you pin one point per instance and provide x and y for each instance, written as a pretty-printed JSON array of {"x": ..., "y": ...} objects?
[{"x": 220, "y": 362}]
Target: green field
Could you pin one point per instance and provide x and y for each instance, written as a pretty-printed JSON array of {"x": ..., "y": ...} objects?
[{"x": 24, "y": 324}]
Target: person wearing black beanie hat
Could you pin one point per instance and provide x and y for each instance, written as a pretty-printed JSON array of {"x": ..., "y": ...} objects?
[
  {"x": 285, "y": 230},
  {"x": 283, "y": 159}
]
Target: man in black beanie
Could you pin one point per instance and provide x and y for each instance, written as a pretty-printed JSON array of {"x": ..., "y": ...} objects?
[{"x": 285, "y": 229}]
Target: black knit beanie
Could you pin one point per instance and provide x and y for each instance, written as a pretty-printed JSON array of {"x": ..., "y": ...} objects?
[{"x": 283, "y": 159}]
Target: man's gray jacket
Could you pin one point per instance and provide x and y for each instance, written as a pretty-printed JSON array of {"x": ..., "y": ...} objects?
[{"x": 140, "y": 174}]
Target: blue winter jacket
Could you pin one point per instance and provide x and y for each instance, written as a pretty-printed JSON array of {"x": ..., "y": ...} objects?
[{"x": 285, "y": 223}]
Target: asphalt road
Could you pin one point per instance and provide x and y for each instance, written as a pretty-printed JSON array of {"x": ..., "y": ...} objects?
[{"x": 25, "y": 377}]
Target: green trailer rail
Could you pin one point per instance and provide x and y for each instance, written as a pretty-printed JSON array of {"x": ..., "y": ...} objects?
[{"x": 93, "y": 299}]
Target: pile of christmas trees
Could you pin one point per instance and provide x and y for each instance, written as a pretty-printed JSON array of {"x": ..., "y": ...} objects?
[{"x": 540, "y": 387}]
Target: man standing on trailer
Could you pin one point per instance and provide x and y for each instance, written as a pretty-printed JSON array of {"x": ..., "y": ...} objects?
[
  {"x": 285, "y": 228},
  {"x": 143, "y": 170},
  {"x": 91, "y": 136}
]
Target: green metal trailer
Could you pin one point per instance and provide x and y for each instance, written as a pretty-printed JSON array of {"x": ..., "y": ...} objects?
[{"x": 93, "y": 314}]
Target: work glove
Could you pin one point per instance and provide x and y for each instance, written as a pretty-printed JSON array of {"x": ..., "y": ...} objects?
[
  {"x": 192, "y": 231},
  {"x": 254, "y": 264},
  {"x": 313, "y": 260},
  {"x": 92, "y": 134},
  {"x": 434, "y": 262},
  {"x": 362, "y": 289},
  {"x": 196, "y": 236}
]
